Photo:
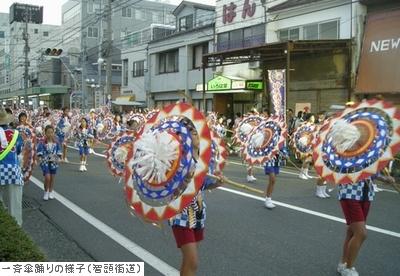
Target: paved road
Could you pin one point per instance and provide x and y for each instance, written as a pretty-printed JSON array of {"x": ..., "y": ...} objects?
[{"x": 89, "y": 221}]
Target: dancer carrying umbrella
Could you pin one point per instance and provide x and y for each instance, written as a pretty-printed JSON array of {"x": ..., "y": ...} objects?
[
  {"x": 266, "y": 145},
  {"x": 351, "y": 150},
  {"x": 166, "y": 174}
]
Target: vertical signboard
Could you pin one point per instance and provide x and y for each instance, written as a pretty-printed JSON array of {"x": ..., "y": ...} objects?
[{"x": 277, "y": 89}]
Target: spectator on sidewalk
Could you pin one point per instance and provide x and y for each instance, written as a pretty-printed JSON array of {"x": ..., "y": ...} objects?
[{"x": 10, "y": 169}]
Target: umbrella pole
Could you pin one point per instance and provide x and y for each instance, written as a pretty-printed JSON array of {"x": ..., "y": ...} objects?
[
  {"x": 237, "y": 185},
  {"x": 71, "y": 163},
  {"x": 290, "y": 161},
  {"x": 387, "y": 173}
]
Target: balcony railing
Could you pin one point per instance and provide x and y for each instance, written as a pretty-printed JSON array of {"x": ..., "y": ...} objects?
[{"x": 241, "y": 43}]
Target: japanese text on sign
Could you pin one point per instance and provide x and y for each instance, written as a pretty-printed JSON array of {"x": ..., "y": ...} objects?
[
  {"x": 229, "y": 13},
  {"x": 61, "y": 268}
]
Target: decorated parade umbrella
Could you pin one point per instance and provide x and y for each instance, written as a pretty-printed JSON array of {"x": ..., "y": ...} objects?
[
  {"x": 98, "y": 111},
  {"x": 149, "y": 114},
  {"x": 214, "y": 125},
  {"x": 105, "y": 110},
  {"x": 303, "y": 139},
  {"x": 70, "y": 129},
  {"x": 76, "y": 111},
  {"x": 105, "y": 128},
  {"x": 117, "y": 152},
  {"x": 138, "y": 117},
  {"x": 27, "y": 161},
  {"x": 265, "y": 141},
  {"x": 358, "y": 142},
  {"x": 219, "y": 152},
  {"x": 159, "y": 181},
  {"x": 40, "y": 127},
  {"x": 245, "y": 127}
]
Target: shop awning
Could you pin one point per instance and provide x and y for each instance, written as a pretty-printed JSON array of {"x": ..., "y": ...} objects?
[
  {"x": 230, "y": 91},
  {"x": 126, "y": 100},
  {"x": 230, "y": 84},
  {"x": 379, "y": 69}
]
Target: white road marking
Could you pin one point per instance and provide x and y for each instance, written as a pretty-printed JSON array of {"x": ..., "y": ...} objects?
[
  {"x": 307, "y": 211},
  {"x": 294, "y": 173},
  {"x": 132, "y": 247}
]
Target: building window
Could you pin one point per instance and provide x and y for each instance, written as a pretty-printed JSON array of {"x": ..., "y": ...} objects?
[
  {"x": 241, "y": 38},
  {"x": 36, "y": 31},
  {"x": 198, "y": 52},
  {"x": 138, "y": 68},
  {"x": 329, "y": 30},
  {"x": 289, "y": 34},
  {"x": 186, "y": 23},
  {"x": 1, "y": 34},
  {"x": 168, "y": 62},
  {"x": 92, "y": 7},
  {"x": 140, "y": 14},
  {"x": 45, "y": 33},
  {"x": 93, "y": 32},
  {"x": 158, "y": 17},
  {"x": 127, "y": 12},
  {"x": 132, "y": 39},
  {"x": 125, "y": 72},
  {"x": 125, "y": 33},
  {"x": 321, "y": 30}
]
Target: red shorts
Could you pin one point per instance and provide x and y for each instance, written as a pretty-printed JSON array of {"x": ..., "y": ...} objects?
[
  {"x": 185, "y": 235},
  {"x": 355, "y": 210}
]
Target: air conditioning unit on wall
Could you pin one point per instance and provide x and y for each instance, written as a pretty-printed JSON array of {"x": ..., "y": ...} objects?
[{"x": 254, "y": 65}]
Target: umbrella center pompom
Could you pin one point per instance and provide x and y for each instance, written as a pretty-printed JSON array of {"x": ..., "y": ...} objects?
[
  {"x": 121, "y": 154},
  {"x": 257, "y": 140},
  {"x": 245, "y": 129},
  {"x": 303, "y": 141},
  {"x": 100, "y": 127},
  {"x": 344, "y": 135},
  {"x": 154, "y": 154}
]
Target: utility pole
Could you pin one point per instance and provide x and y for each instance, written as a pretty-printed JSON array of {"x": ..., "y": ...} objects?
[
  {"x": 26, "y": 51},
  {"x": 99, "y": 60},
  {"x": 109, "y": 48},
  {"x": 84, "y": 85}
]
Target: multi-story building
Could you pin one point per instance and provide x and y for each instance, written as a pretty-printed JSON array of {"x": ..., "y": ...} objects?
[
  {"x": 89, "y": 19},
  {"x": 161, "y": 60},
  {"x": 317, "y": 42},
  {"x": 4, "y": 53},
  {"x": 85, "y": 27},
  {"x": 40, "y": 37}
]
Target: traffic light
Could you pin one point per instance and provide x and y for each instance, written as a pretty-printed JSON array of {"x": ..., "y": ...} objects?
[{"x": 52, "y": 52}]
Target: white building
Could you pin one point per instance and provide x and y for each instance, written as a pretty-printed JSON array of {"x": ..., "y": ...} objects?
[
  {"x": 316, "y": 42},
  {"x": 162, "y": 62}
]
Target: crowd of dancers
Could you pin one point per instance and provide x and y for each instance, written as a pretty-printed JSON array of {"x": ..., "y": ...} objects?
[{"x": 261, "y": 139}]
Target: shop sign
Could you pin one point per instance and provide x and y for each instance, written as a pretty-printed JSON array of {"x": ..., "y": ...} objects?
[
  {"x": 199, "y": 87},
  {"x": 254, "y": 85},
  {"x": 238, "y": 84},
  {"x": 229, "y": 11},
  {"x": 219, "y": 83}
]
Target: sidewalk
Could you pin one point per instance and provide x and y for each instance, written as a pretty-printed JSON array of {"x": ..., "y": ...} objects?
[{"x": 53, "y": 243}]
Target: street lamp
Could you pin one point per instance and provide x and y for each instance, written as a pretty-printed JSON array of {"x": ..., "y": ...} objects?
[
  {"x": 109, "y": 100},
  {"x": 95, "y": 88}
]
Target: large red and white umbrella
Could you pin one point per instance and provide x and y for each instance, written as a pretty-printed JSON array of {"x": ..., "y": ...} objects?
[{"x": 358, "y": 142}]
